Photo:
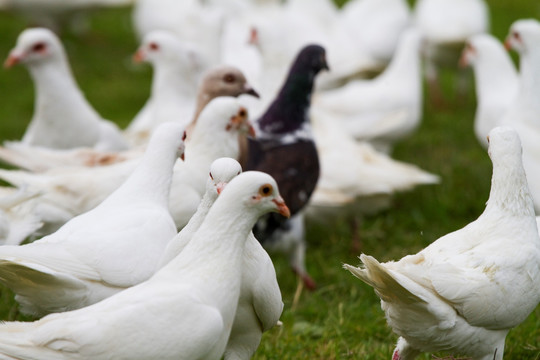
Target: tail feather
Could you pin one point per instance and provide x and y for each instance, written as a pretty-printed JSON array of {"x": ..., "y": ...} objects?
[
  {"x": 18, "y": 155},
  {"x": 386, "y": 283},
  {"x": 16, "y": 343}
]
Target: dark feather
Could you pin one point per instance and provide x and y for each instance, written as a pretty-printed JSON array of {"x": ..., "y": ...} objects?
[{"x": 284, "y": 149}]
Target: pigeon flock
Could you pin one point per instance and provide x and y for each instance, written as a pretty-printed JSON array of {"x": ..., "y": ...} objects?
[{"x": 152, "y": 240}]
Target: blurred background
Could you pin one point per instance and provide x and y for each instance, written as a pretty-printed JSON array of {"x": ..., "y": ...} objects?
[{"x": 342, "y": 318}]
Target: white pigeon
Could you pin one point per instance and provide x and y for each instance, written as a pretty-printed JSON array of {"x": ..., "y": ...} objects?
[
  {"x": 260, "y": 304},
  {"x": 496, "y": 81},
  {"x": 356, "y": 178},
  {"x": 222, "y": 171},
  {"x": 63, "y": 118},
  {"x": 446, "y": 25},
  {"x": 185, "y": 311},
  {"x": 376, "y": 25},
  {"x": 524, "y": 112},
  {"x": 385, "y": 109},
  {"x": 218, "y": 81},
  {"x": 464, "y": 292},
  {"x": 191, "y": 20},
  {"x": 114, "y": 246},
  {"x": 177, "y": 70},
  {"x": 67, "y": 192}
]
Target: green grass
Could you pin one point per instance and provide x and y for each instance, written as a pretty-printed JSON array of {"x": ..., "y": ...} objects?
[{"x": 342, "y": 319}]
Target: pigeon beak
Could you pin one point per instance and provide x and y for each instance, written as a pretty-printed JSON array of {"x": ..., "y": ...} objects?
[
  {"x": 248, "y": 90},
  {"x": 463, "y": 61},
  {"x": 11, "y": 61},
  {"x": 220, "y": 186},
  {"x": 325, "y": 66},
  {"x": 282, "y": 207},
  {"x": 139, "y": 57},
  {"x": 508, "y": 44},
  {"x": 253, "y": 36},
  {"x": 240, "y": 122}
]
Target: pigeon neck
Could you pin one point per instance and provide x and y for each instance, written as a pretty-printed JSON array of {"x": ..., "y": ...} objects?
[
  {"x": 178, "y": 243},
  {"x": 509, "y": 195},
  {"x": 290, "y": 109},
  {"x": 151, "y": 180},
  {"x": 210, "y": 143},
  {"x": 406, "y": 62},
  {"x": 530, "y": 77},
  {"x": 54, "y": 83},
  {"x": 221, "y": 238},
  {"x": 173, "y": 82},
  {"x": 205, "y": 145},
  {"x": 203, "y": 98},
  {"x": 495, "y": 78}
]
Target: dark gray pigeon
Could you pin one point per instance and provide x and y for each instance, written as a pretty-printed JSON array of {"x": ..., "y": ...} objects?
[{"x": 285, "y": 149}]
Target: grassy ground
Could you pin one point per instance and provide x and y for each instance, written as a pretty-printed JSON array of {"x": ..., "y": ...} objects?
[{"x": 342, "y": 319}]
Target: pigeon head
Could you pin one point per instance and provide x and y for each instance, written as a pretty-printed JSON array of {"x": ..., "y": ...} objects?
[
  {"x": 312, "y": 58},
  {"x": 35, "y": 46},
  {"x": 169, "y": 133},
  {"x": 524, "y": 35},
  {"x": 222, "y": 171},
  {"x": 509, "y": 188},
  {"x": 256, "y": 191},
  {"x": 504, "y": 145},
  {"x": 160, "y": 46},
  {"x": 225, "y": 81},
  {"x": 221, "y": 113},
  {"x": 477, "y": 47},
  {"x": 289, "y": 110}
]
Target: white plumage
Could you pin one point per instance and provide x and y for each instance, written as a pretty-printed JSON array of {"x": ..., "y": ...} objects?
[
  {"x": 68, "y": 192},
  {"x": 260, "y": 304},
  {"x": 356, "y": 178},
  {"x": 62, "y": 118},
  {"x": 464, "y": 292},
  {"x": 385, "y": 109},
  {"x": 524, "y": 111},
  {"x": 496, "y": 81},
  {"x": 17, "y": 219},
  {"x": 185, "y": 311},
  {"x": 177, "y": 70},
  {"x": 112, "y": 247}
]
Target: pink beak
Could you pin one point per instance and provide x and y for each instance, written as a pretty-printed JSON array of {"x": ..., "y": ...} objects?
[
  {"x": 11, "y": 61},
  {"x": 220, "y": 186},
  {"x": 282, "y": 207},
  {"x": 463, "y": 62},
  {"x": 507, "y": 44},
  {"x": 139, "y": 57}
]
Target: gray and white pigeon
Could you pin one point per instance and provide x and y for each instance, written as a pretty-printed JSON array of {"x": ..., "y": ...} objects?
[{"x": 284, "y": 148}]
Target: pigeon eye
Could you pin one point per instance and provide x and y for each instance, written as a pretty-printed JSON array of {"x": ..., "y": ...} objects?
[
  {"x": 211, "y": 177},
  {"x": 184, "y": 136},
  {"x": 265, "y": 190},
  {"x": 229, "y": 78},
  {"x": 39, "y": 47},
  {"x": 242, "y": 112},
  {"x": 516, "y": 36},
  {"x": 154, "y": 46}
]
